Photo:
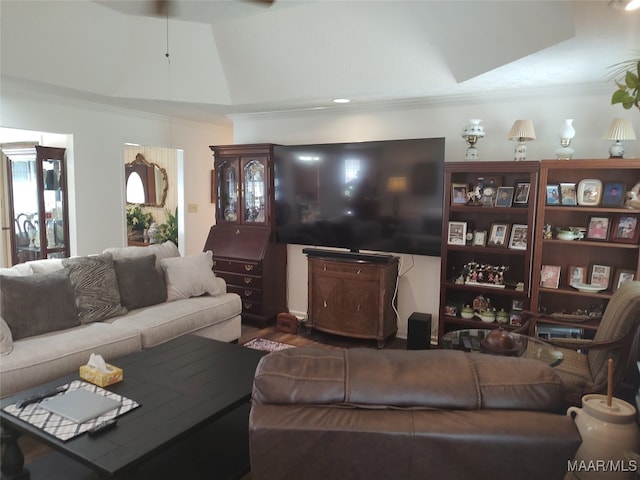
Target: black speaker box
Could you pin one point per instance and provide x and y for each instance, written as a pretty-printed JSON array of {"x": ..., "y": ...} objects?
[{"x": 419, "y": 331}]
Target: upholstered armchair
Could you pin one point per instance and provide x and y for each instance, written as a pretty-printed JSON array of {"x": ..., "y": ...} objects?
[{"x": 584, "y": 369}]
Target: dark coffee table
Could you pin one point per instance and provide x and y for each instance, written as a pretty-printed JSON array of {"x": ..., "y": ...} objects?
[{"x": 184, "y": 386}]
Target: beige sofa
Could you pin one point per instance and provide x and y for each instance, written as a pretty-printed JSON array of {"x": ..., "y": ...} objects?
[{"x": 56, "y": 312}]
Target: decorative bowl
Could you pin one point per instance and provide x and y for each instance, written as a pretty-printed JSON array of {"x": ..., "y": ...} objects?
[
  {"x": 588, "y": 288},
  {"x": 488, "y": 316},
  {"x": 501, "y": 342}
]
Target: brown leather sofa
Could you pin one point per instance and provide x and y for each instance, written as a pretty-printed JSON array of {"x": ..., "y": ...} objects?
[{"x": 394, "y": 414}]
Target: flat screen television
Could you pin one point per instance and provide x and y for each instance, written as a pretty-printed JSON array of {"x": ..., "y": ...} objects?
[{"x": 382, "y": 196}]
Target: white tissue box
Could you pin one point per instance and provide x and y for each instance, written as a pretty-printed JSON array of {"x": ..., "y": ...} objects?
[{"x": 102, "y": 379}]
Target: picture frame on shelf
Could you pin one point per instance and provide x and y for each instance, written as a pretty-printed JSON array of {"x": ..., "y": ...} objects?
[
  {"x": 480, "y": 238},
  {"x": 515, "y": 318},
  {"x": 451, "y": 310},
  {"x": 568, "y": 195},
  {"x": 504, "y": 197},
  {"x": 457, "y": 233},
  {"x": 517, "y": 304},
  {"x": 553, "y": 194},
  {"x": 518, "y": 237},
  {"x": 598, "y": 227},
  {"x": 576, "y": 274},
  {"x": 600, "y": 275},
  {"x": 459, "y": 192},
  {"x": 589, "y": 192},
  {"x": 550, "y": 276},
  {"x": 623, "y": 276},
  {"x": 498, "y": 235},
  {"x": 521, "y": 193},
  {"x": 614, "y": 194},
  {"x": 625, "y": 229}
]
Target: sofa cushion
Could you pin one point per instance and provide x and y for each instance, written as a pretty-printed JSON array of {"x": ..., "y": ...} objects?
[
  {"x": 190, "y": 276},
  {"x": 96, "y": 287},
  {"x": 42, "y": 358},
  {"x": 160, "y": 323},
  {"x": 139, "y": 283},
  {"x": 368, "y": 378},
  {"x": 167, "y": 249},
  {"x": 6, "y": 340},
  {"x": 37, "y": 304}
]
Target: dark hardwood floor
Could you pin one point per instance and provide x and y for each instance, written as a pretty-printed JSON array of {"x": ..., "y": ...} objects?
[{"x": 33, "y": 449}]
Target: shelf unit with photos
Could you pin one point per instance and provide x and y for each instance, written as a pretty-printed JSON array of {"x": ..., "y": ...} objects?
[
  {"x": 482, "y": 218},
  {"x": 615, "y": 257}
]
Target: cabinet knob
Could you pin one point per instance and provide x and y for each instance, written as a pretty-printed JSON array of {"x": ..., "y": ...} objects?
[
  {"x": 359, "y": 271},
  {"x": 248, "y": 268},
  {"x": 324, "y": 303},
  {"x": 238, "y": 232},
  {"x": 248, "y": 305},
  {"x": 358, "y": 308},
  {"x": 248, "y": 280},
  {"x": 247, "y": 293}
]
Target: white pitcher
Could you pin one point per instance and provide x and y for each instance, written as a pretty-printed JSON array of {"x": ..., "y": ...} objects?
[{"x": 609, "y": 437}]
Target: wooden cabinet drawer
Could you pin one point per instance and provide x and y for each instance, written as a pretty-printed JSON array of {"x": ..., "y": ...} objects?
[
  {"x": 243, "y": 281},
  {"x": 345, "y": 269},
  {"x": 251, "y": 294},
  {"x": 237, "y": 266}
]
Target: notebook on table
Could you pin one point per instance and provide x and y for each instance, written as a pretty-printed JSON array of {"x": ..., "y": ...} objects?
[{"x": 80, "y": 405}]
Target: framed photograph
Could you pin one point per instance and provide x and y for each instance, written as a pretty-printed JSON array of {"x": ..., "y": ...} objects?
[
  {"x": 459, "y": 193},
  {"x": 600, "y": 275},
  {"x": 568, "y": 194},
  {"x": 550, "y": 276},
  {"x": 625, "y": 229},
  {"x": 576, "y": 274},
  {"x": 553, "y": 194},
  {"x": 623, "y": 276},
  {"x": 614, "y": 194},
  {"x": 515, "y": 318},
  {"x": 451, "y": 310},
  {"x": 598, "y": 228},
  {"x": 457, "y": 233},
  {"x": 498, "y": 235},
  {"x": 521, "y": 193},
  {"x": 480, "y": 238},
  {"x": 517, "y": 304},
  {"x": 504, "y": 197},
  {"x": 518, "y": 238},
  {"x": 589, "y": 192}
]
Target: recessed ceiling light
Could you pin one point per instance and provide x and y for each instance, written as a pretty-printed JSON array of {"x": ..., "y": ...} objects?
[{"x": 341, "y": 100}]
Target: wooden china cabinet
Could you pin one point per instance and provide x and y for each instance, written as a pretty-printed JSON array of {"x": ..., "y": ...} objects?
[
  {"x": 245, "y": 253},
  {"x": 37, "y": 184}
]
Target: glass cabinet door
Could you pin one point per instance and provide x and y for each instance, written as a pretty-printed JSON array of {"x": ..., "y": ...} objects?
[
  {"x": 53, "y": 225},
  {"x": 227, "y": 191},
  {"x": 254, "y": 191}
]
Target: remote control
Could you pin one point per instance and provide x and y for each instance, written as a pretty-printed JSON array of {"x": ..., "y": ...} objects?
[
  {"x": 103, "y": 427},
  {"x": 41, "y": 396}
]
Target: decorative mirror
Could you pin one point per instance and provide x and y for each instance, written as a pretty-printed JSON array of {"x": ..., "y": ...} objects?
[{"x": 146, "y": 183}]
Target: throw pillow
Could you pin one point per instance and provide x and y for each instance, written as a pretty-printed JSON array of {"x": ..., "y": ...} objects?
[
  {"x": 19, "y": 270},
  {"x": 160, "y": 250},
  {"x": 96, "y": 287},
  {"x": 139, "y": 282},
  {"x": 6, "y": 340},
  {"x": 190, "y": 276},
  {"x": 38, "y": 304}
]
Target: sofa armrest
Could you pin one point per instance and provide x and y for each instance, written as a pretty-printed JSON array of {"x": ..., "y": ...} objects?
[
  {"x": 221, "y": 284},
  {"x": 369, "y": 378}
]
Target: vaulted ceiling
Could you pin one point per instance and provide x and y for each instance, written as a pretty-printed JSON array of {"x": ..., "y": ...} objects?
[{"x": 235, "y": 56}]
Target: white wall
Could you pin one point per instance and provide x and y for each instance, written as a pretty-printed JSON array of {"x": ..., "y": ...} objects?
[
  {"x": 419, "y": 286},
  {"x": 96, "y": 169}
]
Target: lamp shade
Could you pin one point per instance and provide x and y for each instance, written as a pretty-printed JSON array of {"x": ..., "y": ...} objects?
[
  {"x": 620, "y": 129},
  {"x": 522, "y": 130}
]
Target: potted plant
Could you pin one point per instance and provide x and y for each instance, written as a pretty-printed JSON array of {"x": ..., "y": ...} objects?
[
  {"x": 627, "y": 78},
  {"x": 169, "y": 230},
  {"x": 137, "y": 222}
]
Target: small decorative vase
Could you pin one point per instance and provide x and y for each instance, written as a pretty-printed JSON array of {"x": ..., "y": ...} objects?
[
  {"x": 153, "y": 231},
  {"x": 609, "y": 435}
]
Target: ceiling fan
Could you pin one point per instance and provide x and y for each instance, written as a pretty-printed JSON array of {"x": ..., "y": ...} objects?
[{"x": 164, "y": 8}]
